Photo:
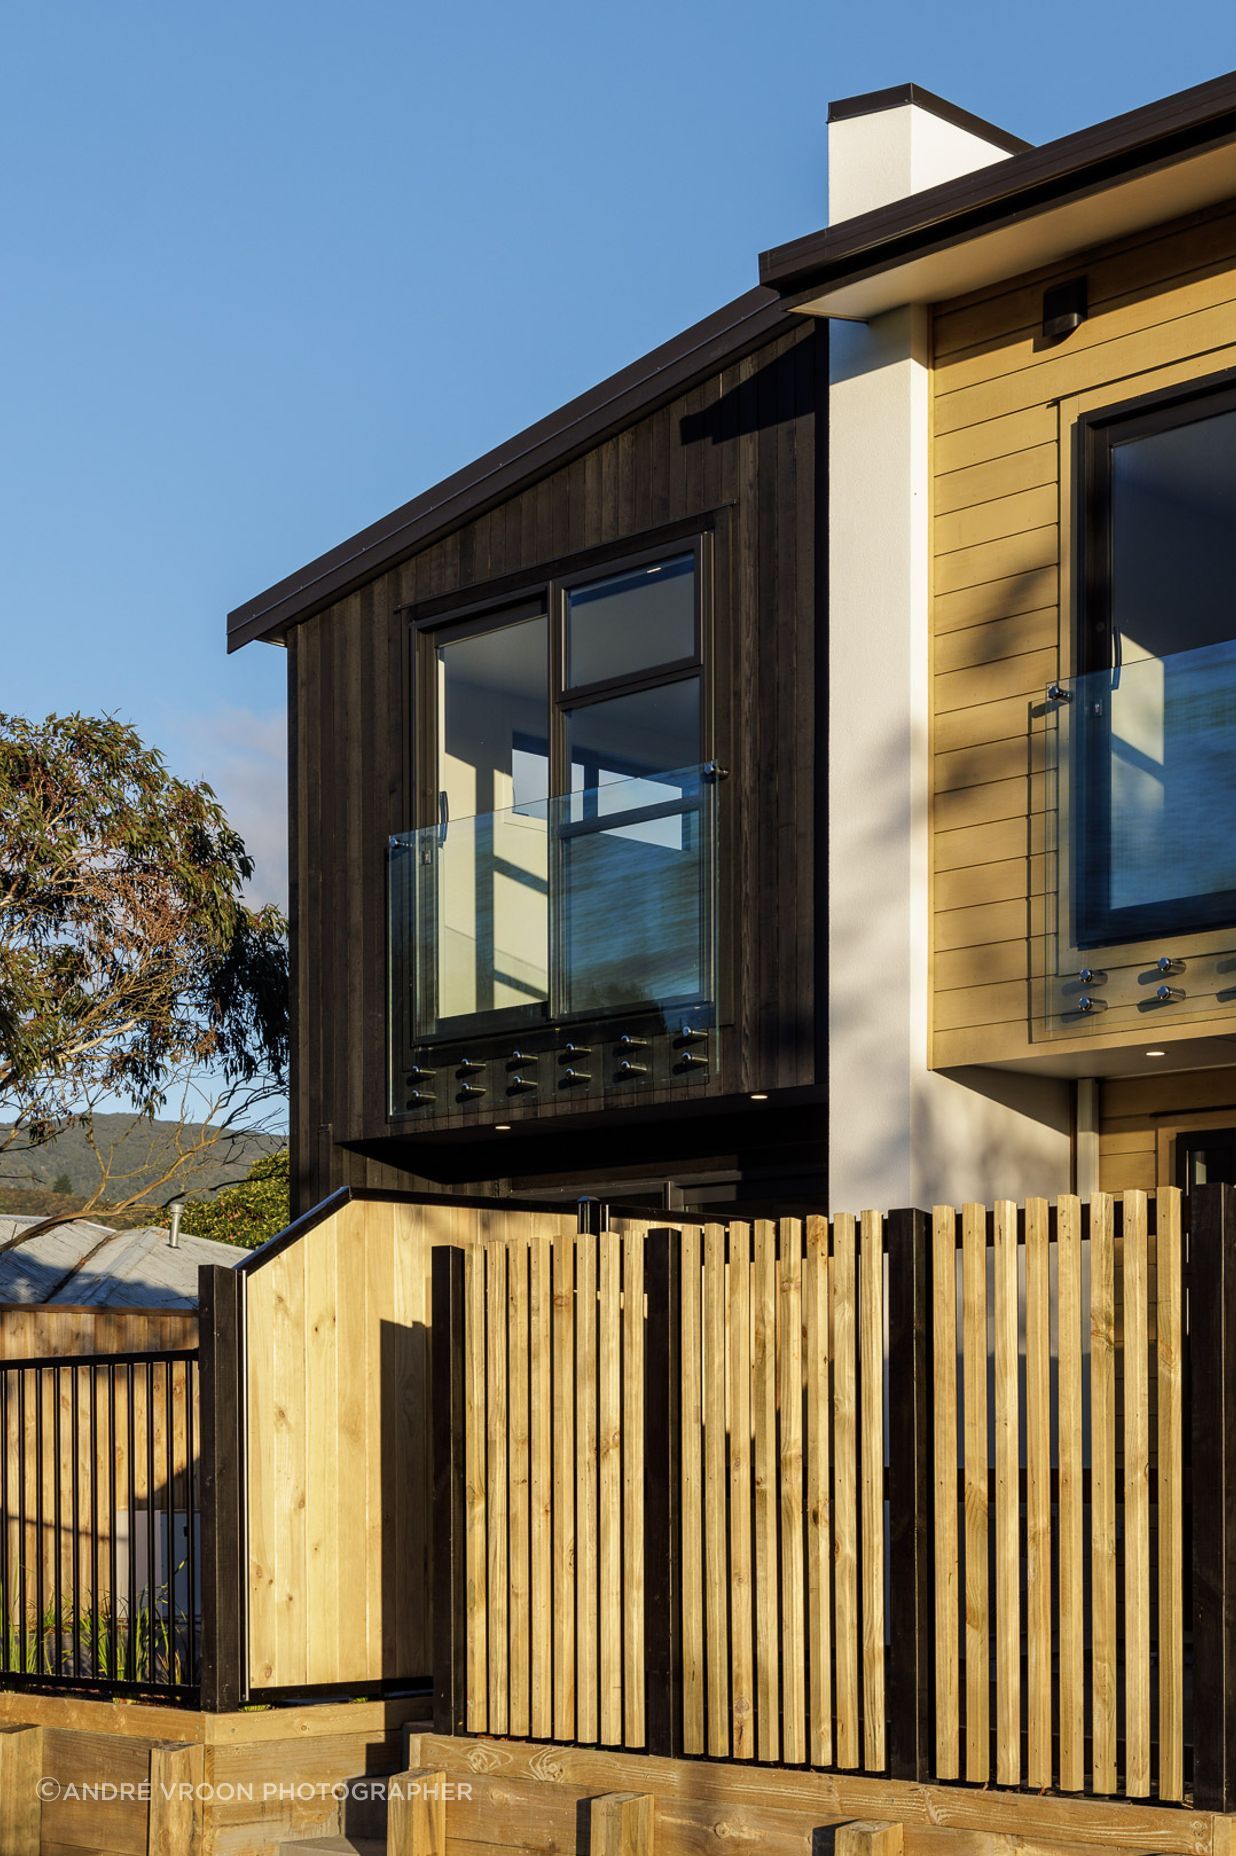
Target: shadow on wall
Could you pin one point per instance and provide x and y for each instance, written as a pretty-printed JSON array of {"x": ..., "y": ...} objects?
[
  {"x": 984, "y": 1133},
  {"x": 898, "y": 1131},
  {"x": 777, "y": 392}
]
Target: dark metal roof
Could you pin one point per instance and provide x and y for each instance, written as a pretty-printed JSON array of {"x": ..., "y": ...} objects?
[
  {"x": 1025, "y": 182},
  {"x": 844, "y": 109},
  {"x": 745, "y": 324}
]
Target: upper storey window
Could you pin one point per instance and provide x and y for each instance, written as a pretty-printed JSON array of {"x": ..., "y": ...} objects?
[
  {"x": 623, "y": 625},
  {"x": 567, "y": 870},
  {"x": 1156, "y": 701}
]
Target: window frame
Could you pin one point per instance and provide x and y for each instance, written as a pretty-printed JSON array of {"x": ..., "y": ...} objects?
[
  {"x": 547, "y": 595},
  {"x": 1096, "y": 434}
]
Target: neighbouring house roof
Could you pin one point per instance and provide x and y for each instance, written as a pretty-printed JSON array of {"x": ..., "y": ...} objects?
[
  {"x": 86, "y": 1264},
  {"x": 1025, "y": 210},
  {"x": 669, "y": 370}
]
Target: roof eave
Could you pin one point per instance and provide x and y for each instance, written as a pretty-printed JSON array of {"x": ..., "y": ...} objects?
[{"x": 1031, "y": 182}]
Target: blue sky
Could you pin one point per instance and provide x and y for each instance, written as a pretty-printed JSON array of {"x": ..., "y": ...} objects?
[{"x": 268, "y": 270}]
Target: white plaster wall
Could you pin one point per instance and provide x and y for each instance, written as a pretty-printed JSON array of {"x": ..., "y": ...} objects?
[
  {"x": 891, "y": 153},
  {"x": 898, "y": 1133}
]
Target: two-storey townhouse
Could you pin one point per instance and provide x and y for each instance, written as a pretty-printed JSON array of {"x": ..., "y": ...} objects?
[{"x": 1031, "y": 642}]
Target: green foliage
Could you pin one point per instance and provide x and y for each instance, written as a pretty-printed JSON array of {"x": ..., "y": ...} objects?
[
  {"x": 62, "y": 1183},
  {"x": 128, "y": 957},
  {"x": 148, "y": 1644},
  {"x": 258, "y": 1207}
]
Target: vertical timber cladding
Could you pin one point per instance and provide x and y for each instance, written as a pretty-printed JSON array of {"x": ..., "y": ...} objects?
[
  {"x": 338, "y": 1448},
  {"x": 338, "y": 1463},
  {"x": 738, "y": 454},
  {"x": 1162, "y": 310}
]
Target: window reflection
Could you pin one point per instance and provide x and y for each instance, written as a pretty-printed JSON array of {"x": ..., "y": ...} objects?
[{"x": 493, "y": 868}]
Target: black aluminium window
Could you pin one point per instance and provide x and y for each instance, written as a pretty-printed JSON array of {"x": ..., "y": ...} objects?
[
  {"x": 564, "y": 736},
  {"x": 1154, "y": 703}
]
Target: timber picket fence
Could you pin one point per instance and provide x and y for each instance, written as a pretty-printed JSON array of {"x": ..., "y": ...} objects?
[
  {"x": 945, "y": 1496},
  {"x": 903, "y": 1493}
]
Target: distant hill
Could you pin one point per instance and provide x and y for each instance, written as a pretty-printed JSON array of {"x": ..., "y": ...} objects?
[{"x": 67, "y": 1166}]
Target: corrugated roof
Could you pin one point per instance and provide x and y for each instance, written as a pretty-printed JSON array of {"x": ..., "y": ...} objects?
[{"x": 87, "y": 1264}]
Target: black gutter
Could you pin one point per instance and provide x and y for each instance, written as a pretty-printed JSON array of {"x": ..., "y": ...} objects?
[
  {"x": 1074, "y": 165},
  {"x": 673, "y": 368}
]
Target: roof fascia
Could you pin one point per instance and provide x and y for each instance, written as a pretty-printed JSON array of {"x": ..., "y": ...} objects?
[{"x": 959, "y": 209}]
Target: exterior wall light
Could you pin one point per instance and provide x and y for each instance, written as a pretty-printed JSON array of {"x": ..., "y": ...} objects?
[{"x": 1065, "y": 308}]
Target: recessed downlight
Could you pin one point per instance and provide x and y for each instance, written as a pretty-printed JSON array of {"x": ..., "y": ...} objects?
[
  {"x": 1156, "y": 1053},
  {"x": 759, "y": 1095},
  {"x": 502, "y": 1127}
]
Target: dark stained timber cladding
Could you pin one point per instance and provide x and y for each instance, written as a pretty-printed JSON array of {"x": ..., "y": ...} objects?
[
  {"x": 449, "y": 1564},
  {"x": 739, "y": 455},
  {"x": 1212, "y": 1382},
  {"x": 910, "y": 1669},
  {"x": 220, "y": 1327}
]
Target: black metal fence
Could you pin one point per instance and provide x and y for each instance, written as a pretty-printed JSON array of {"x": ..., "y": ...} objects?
[{"x": 100, "y": 1549}]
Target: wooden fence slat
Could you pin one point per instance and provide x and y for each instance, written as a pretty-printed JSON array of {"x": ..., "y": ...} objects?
[
  {"x": 633, "y": 1485},
  {"x": 1008, "y": 1500},
  {"x": 871, "y": 1458},
  {"x": 845, "y": 1489},
  {"x": 974, "y": 1393},
  {"x": 764, "y": 1415},
  {"x": 541, "y": 1488},
  {"x": 1038, "y": 1494},
  {"x": 1103, "y": 1493},
  {"x": 520, "y": 1480},
  {"x": 944, "y": 1360},
  {"x": 564, "y": 1488},
  {"x": 742, "y": 1653},
  {"x": 1136, "y": 1499},
  {"x": 476, "y": 1524},
  {"x": 692, "y": 1497},
  {"x": 819, "y": 1503},
  {"x": 609, "y": 1546},
  {"x": 496, "y": 1490},
  {"x": 586, "y": 1645},
  {"x": 790, "y": 1399},
  {"x": 664, "y": 1416},
  {"x": 1169, "y": 1344},
  {"x": 1072, "y": 1627},
  {"x": 716, "y": 1574}
]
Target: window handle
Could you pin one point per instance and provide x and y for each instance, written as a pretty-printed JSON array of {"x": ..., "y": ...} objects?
[
  {"x": 1117, "y": 656},
  {"x": 444, "y": 816}
]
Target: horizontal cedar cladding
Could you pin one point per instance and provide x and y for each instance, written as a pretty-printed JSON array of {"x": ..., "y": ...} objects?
[
  {"x": 739, "y": 453},
  {"x": 1162, "y": 314}
]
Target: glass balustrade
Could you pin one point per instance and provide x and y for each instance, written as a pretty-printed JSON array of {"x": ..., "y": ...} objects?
[
  {"x": 1138, "y": 885},
  {"x": 596, "y": 901}
]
